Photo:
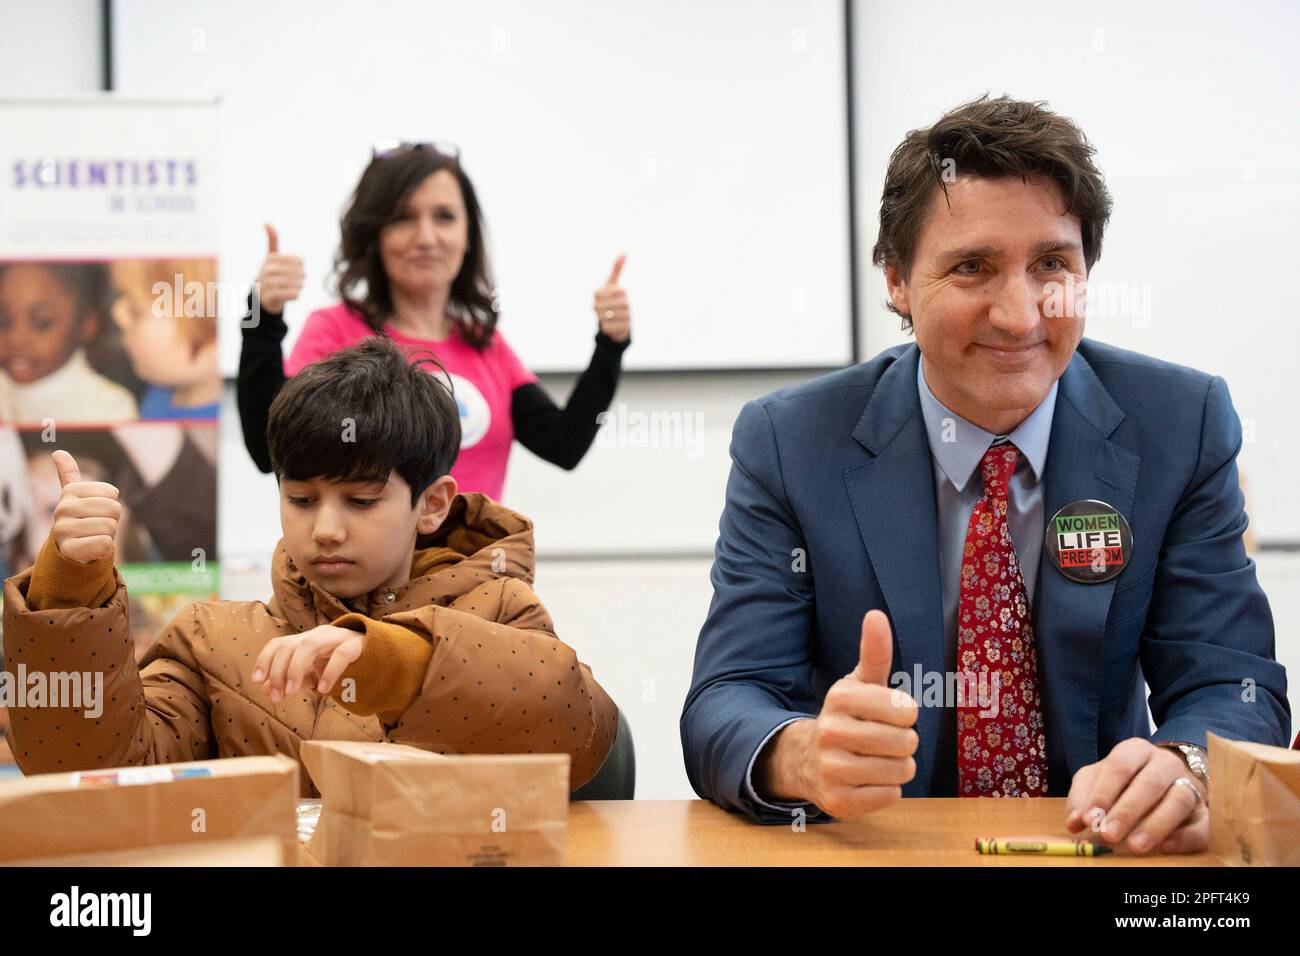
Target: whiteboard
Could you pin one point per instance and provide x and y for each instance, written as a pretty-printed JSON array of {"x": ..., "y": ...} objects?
[{"x": 707, "y": 140}]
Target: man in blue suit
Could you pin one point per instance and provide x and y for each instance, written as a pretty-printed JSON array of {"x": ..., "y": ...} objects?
[{"x": 1004, "y": 500}]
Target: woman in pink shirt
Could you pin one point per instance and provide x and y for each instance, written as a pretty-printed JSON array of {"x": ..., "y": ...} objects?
[{"x": 412, "y": 265}]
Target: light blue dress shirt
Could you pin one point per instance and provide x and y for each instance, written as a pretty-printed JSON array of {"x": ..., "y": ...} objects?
[{"x": 956, "y": 447}]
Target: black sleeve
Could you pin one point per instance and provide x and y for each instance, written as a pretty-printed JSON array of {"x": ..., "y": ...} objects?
[
  {"x": 563, "y": 435},
  {"x": 261, "y": 373}
]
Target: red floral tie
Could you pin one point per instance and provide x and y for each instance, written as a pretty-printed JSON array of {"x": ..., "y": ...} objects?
[{"x": 1001, "y": 749}]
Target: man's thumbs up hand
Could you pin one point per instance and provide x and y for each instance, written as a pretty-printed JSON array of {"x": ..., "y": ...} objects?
[
  {"x": 86, "y": 517},
  {"x": 875, "y": 650},
  {"x": 856, "y": 755},
  {"x": 280, "y": 279}
]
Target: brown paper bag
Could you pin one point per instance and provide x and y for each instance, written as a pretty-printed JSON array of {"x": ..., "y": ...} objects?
[
  {"x": 394, "y": 805},
  {"x": 258, "y": 851},
  {"x": 1254, "y": 803},
  {"x": 131, "y": 808}
]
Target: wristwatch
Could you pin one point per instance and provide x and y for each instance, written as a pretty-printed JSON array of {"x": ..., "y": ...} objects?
[{"x": 1194, "y": 756}]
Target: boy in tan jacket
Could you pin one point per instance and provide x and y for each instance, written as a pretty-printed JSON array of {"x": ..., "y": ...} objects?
[{"x": 402, "y": 611}]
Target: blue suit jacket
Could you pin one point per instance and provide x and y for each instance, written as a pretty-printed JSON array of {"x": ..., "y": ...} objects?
[{"x": 837, "y": 472}]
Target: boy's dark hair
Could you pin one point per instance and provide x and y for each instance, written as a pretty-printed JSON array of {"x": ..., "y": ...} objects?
[
  {"x": 362, "y": 413},
  {"x": 989, "y": 138}
]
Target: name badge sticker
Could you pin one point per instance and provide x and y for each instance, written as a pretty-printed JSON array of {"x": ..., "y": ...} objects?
[{"x": 1089, "y": 541}]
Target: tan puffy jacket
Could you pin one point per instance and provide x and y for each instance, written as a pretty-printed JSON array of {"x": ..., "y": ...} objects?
[{"x": 465, "y": 648}]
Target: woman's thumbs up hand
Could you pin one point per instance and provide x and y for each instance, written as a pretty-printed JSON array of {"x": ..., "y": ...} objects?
[
  {"x": 280, "y": 279},
  {"x": 610, "y": 303}
]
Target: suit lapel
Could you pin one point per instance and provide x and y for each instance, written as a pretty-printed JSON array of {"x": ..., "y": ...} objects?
[
  {"x": 1070, "y": 618},
  {"x": 893, "y": 502}
]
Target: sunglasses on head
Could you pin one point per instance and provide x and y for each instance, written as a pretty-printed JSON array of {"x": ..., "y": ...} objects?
[{"x": 392, "y": 147}]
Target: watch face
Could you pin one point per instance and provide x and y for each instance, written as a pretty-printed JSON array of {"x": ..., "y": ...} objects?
[{"x": 1194, "y": 756}]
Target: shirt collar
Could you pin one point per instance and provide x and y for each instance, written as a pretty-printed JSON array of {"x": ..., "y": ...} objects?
[{"x": 957, "y": 445}]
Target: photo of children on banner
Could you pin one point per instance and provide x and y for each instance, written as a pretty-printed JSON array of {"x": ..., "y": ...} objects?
[
  {"x": 102, "y": 342},
  {"x": 59, "y": 355},
  {"x": 166, "y": 311}
]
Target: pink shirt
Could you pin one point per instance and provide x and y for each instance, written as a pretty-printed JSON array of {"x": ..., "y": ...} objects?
[{"x": 482, "y": 382}]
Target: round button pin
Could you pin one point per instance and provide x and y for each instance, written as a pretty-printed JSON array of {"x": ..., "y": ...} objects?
[{"x": 1089, "y": 541}]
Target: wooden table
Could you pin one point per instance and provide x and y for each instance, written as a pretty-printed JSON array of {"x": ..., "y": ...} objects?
[{"x": 913, "y": 832}]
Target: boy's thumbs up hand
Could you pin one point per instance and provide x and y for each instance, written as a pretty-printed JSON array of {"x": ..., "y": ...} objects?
[
  {"x": 280, "y": 279},
  {"x": 86, "y": 517},
  {"x": 859, "y": 750}
]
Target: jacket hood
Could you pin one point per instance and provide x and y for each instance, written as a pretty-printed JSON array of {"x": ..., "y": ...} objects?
[{"x": 481, "y": 540}]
